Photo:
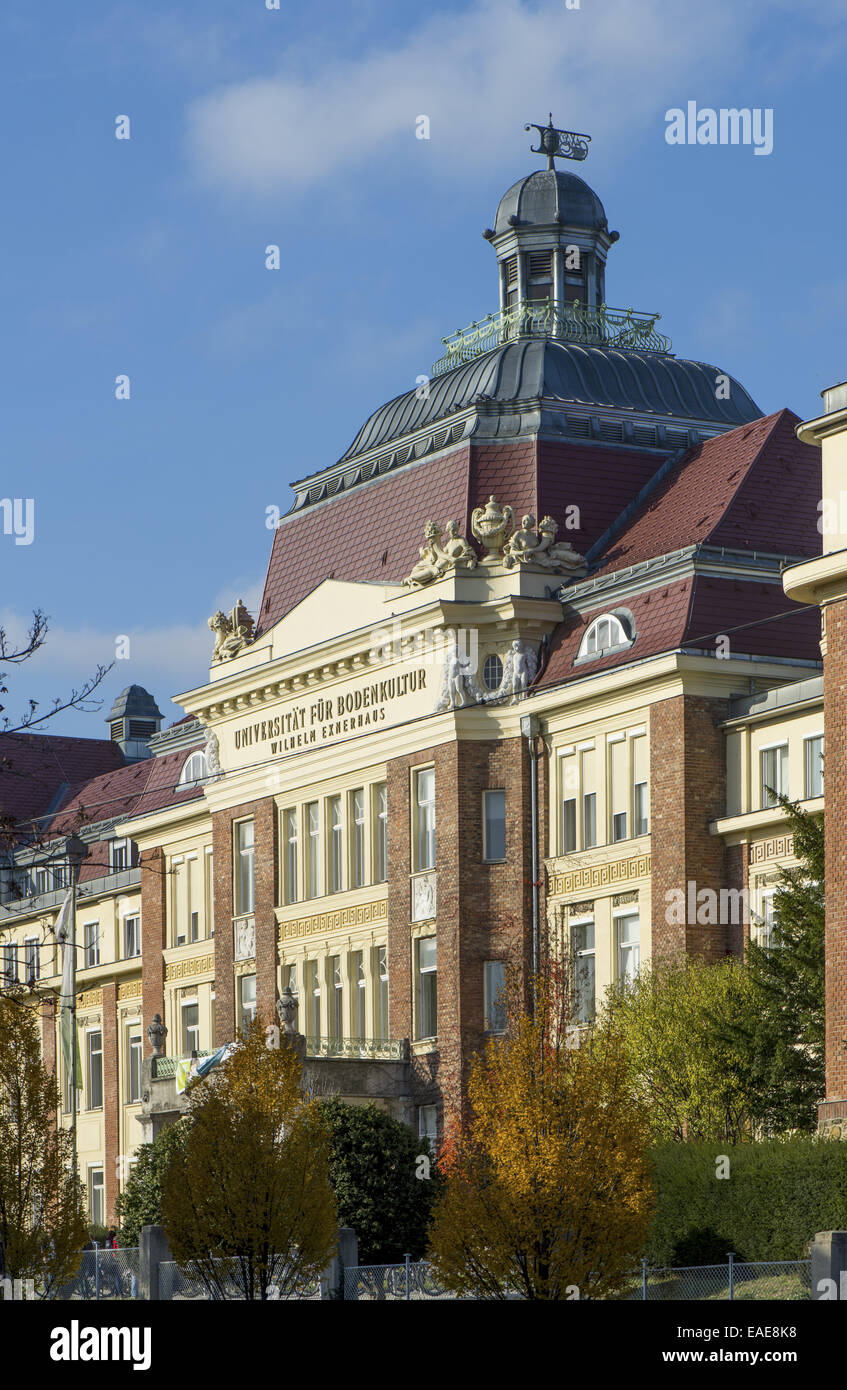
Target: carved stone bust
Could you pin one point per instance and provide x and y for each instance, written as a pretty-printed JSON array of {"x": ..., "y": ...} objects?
[{"x": 286, "y": 1007}]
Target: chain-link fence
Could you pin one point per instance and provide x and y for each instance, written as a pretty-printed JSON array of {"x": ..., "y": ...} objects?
[
  {"x": 411, "y": 1280},
  {"x": 734, "y": 1281},
  {"x": 104, "y": 1274},
  {"x": 228, "y": 1280}
]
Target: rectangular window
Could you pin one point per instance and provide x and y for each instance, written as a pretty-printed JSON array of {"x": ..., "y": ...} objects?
[
  {"x": 640, "y": 806},
  {"x": 618, "y": 790},
  {"x": 336, "y": 844},
  {"x": 357, "y": 849},
  {"x": 118, "y": 855},
  {"x": 381, "y": 856},
  {"x": 91, "y": 944},
  {"x": 313, "y": 986},
  {"x": 190, "y": 1027},
  {"x": 313, "y": 849},
  {"x": 337, "y": 997},
  {"x": 568, "y": 792},
  {"x": 629, "y": 949},
  {"x": 244, "y": 876},
  {"x": 42, "y": 880},
  {"x": 290, "y": 979},
  {"x": 382, "y": 997},
  {"x": 494, "y": 826},
  {"x": 813, "y": 758},
  {"x": 424, "y": 782},
  {"x": 588, "y": 768},
  {"x": 768, "y": 936},
  {"x": 428, "y": 1124},
  {"x": 361, "y": 994},
  {"x": 132, "y": 936},
  {"x": 290, "y": 827},
  {"x": 96, "y": 1197},
  {"x": 31, "y": 960},
  {"x": 194, "y": 926},
  {"x": 427, "y": 988},
  {"x": 10, "y": 964},
  {"x": 774, "y": 774},
  {"x": 494, "y": 995},
  {"x": 95, "y": 1069},
  {"x": 569, "y": 825},
  {"x": 246, "y": 1000},
  {"x": 133, "y": 1080},
  {"x": 61, "y": 876},
  {"x": 583, "y": 956}
]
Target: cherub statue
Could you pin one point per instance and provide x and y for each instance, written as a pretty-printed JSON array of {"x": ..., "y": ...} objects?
[
  {"x": 560, "y": 555},
  {"x": 437, "y": 559},
  {"x": 460, "y": 553},
  {"x": 231, "y": 633},
  {"x": 523, "y": 543},
  {"x": 521, "y": 666}
]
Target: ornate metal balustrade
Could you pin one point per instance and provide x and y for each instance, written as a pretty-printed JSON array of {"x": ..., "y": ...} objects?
[
  {"x": 367, "y": 1049},
  {"x": 543, "y": 318}
]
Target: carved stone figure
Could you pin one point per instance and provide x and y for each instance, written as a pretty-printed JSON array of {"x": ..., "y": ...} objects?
[
  {"x": 457, "y": 670},
  {"x": 157, "y": 1033},
  {"x": 461, "y": 555},
  {"x": 232, "y": 633},
  {"x": 437, "y": 559},
  {"x": 528, "y": 546},
  {"x": 521, "y": 666},
  {"x": 522, "y": 544},
  {"x": 286, "y": 1007},
  {"x": 490, "y": 524},
  {"x": 211, "y": 752},
  {"x": 559, "y": 555}
]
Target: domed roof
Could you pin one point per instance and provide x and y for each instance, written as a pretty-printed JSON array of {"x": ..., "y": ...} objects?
[
  {"x": 134, "y": 703},
  {"x": 549, "y": 196}
]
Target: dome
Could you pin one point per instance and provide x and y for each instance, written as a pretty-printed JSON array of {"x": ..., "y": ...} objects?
[
  {"x": 549, "y": 196},
  {"x": 134, "y": 703}
]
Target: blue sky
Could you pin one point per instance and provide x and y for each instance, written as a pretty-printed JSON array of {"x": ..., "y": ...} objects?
[{"x": 296, "y": 127}]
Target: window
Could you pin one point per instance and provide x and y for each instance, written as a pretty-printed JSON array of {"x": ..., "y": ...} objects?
[
  {"x": 194, "y": 771},
  {"x": 190, "y": 1010},
  {"x": 31, "y": 961},
  {"x": 95, "y": 1069},
  {"x": 768, "y": 936},
  {"x": 313, "y": 849},
  {"x": 10, "y": 964},
  {"x": 357, "y": 815},
  {"x": 492, "y": 672},
  {"x": 629, "y": 950},
  {"x": 428, "y": 1124},
  {"x": 382, "y": 997},
  {"x": 494, "y": 988},
  {"x": 290, "y": 979},
  {"x": 96, "y": 1197},
  {"x": 605, "y": 634},
  {"x": 424, "y": 857},
  {"x": 119, "y": 856},
  {"x": 774, "y": 774},
  {"x": 427, "y": 988},
  {"x": 361, "y": 994},
  {"x": 618, "y": 791},
  {"x": 290, "y": 824},
  {"x": 583, "y": 956},
  {"x": 91, "y": 939},
  {"x": 336, "y": 844},
  {"x": 381, "y": 857},
  {"x": 61, "y": 876},
  {"x": 337, "y": 997},
  {"x": 588, "y": 770},
  {"x": 244, "y": 878},
  {"x": 813, "y": 759},
  {"x": 313, "y": 986},
  {"x": 569, "y": 825},
  {"x": 132, "y": 936},
  {"x": 494, "y": 826},
  {"x": 247, "y": 1000},
  {"x": 133, "y": 1079},
  {"x": 42, "y": 880},
  {"x": 640, "y": 807},
  {"x": 194, "y": 926}
]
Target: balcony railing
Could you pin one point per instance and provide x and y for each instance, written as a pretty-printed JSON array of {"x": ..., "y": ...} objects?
[
  {"x": 370, "y": 1049},
  {"x": 543, "y": 318}
]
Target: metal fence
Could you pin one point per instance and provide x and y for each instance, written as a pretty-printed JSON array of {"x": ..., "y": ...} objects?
[
  {"x": 226, "y": 1282},
  {"x": 104, "y": 1274},
  {"x": 734, "y": 1281},
  {"x": 374, "y": 1283}
]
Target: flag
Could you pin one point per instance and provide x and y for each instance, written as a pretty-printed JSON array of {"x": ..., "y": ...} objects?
[{"x": 67, "y": 992}]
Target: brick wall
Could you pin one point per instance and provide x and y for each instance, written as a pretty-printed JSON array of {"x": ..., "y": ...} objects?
[
  {"x": 265, "y": 821},
  {"x": 738, "y": 876},
  {"x": 154, "y": 897},
  {"x": 111, "y": 1096},
  {"x": 687, "y": 790},
  {"x": 835, "y": 724}
]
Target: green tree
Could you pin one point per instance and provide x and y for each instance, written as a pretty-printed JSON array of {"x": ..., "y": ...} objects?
[
  {"x": 384, "y": 1180},
  {"x": 140, "y": 1203},
  {"x": 42, "y": 1215},
  {"x": 782, "y": 1033},
  {"x": 251, "y": 1183}
]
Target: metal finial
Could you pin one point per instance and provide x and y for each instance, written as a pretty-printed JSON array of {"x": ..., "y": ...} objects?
[{"x": 559, "y": 144}]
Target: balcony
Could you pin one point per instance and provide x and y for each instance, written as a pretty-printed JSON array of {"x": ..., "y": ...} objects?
[
  {"x": 574, "y": 322},
  {"x": 355, "y": 1049}
]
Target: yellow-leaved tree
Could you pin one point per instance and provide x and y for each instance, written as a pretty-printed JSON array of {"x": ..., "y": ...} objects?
[
  {"x": 547, "y": 1186},
  {"x": 247, "y": 1202}
]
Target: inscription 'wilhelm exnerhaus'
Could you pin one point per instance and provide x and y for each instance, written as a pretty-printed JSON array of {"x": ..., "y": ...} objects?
[{"x": 309, "y": 724}]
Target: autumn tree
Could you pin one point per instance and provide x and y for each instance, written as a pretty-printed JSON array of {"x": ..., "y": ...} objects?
[
  {"x": 547, "y": 1191},
  {"x": 42, "y": 1214},
  {"x": 250, "y": 1186},
  {"x": 674, "y": 1022}
]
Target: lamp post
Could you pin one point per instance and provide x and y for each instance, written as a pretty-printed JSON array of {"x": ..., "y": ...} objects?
[{"x": 76, "y": 850}]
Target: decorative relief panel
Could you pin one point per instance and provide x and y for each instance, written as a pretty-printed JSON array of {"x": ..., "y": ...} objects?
[
  {"x": 244, "y": 929},
  {"x": 362, "y": 915},
  {"x": 424, "y": 896},
  {"x": 129, "y": 989},
  {"x": 778, "y": 848},
  {"x": 184, "y": 969},
  {"x": 89, "y": 998},
  {"x": 601, "y": 875}
]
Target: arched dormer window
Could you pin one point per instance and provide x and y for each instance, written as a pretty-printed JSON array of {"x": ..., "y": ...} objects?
[
  {"x": 194, "y": 770},
  {"x": 608, "y": 633}
]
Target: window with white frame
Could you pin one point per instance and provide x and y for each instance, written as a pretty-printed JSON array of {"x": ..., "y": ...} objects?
[
  {"x": 427, "y": 990},
  {"x": 337, "y": 1013},
  {"x": 629, "y": 946},
  {"x": 494, "y": 826},
  {"x": 313, "y": 989},
  {"x": 382, "y": 995},
  {"x": 31, "y": 960},
  {"x": 190, "y": 1014},
  {"x": 618, "y": 789},
  {"x": 583, "y": 956},
  {"x": 424, "y": 818},
  {"x": 96, "y": 1197},
  {"x": 494, "y": 996},
  {"x": 361, "y": 994},
  {"x": 61, "y": 876},
  {"x": 381, "y": 824},
  {"x": 244, "y": 867},
  {"x": 336, "y": 844},
  {"x": 246, "y": 1001},
  {"x": 639, "y": 753},
  {"x": 289, "y": 979},
  {"x": 774, "y": 765},
  {"x": 132, "y": 936},
  {"x": 42, "y": 879},
  {"x": 813, "y": 765},
  {"x": 492, "y": 672},
  {"x": 768, "y": 935},
  {"x": 94, "y": 1048},
  {"x": 428, "y": 1124},
  {"x": 10, "y": 964},
  {"x": 313, "y": 849},
  {"x": 119, "y": 856},
  {"x": 133, "y": 1069},
  {"x": 358, "y": 830},
  {"x": 194, "y": 771},
  {"x": 605, "y": 634},
  {"x": 588, "y": 781},
  {"x": 289, "y": 821},
  {"x": 91, "y": 944}
]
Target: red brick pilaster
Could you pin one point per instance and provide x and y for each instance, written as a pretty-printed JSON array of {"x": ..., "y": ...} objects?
[
  {"x": 111, "y": 1096},
  {"x": 154, "y": 898},
  {"x": 265, "y": 826},
  {"x": 835, "y": 819}
]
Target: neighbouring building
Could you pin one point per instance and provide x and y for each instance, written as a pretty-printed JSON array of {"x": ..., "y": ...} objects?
[{"x": 523, "y": 677}]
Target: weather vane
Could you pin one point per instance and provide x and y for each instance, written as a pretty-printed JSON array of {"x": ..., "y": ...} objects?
[{"x": 559, "y": 144}]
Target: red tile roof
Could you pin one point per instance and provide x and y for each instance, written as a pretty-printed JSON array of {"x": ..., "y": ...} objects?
[
  {"x": 34, "y": 768},
  {"x": 661, "y": 618}
]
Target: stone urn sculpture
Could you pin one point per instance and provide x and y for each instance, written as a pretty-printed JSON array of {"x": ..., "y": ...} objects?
[
  {"x": 157, "y": 1033},
  {"x": 490, "y": 525}
]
